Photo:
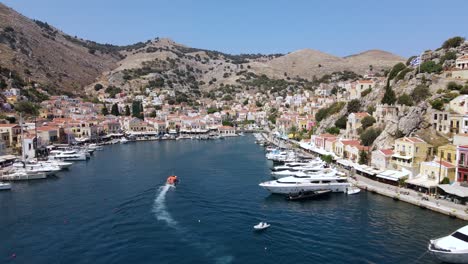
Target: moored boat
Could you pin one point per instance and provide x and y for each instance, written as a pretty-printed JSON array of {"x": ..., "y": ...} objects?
[
  {"x": 294, "y": 184},
  {"x": 452, "y": 248},
  {"x": 4, "y": 186},
  {"x": 172, "y": 180},
  {"x": 307, "y": 195}
]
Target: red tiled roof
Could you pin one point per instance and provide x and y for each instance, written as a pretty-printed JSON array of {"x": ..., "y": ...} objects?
[
  {"x": 446, "y": 164},
  {"x": 387, "y": 152},
  {"x": 413, "y": 140},
  {"x": 464, "y": 57},
  {"x": 361, "y": 114},
  {"x": 8, "y": 125},
  {"x": 365, "y": 81}
]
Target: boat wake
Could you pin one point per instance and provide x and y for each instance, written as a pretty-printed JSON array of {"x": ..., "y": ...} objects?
[
  {"x": 159, "y": 206},
  {"x": 161, "y": 214}
]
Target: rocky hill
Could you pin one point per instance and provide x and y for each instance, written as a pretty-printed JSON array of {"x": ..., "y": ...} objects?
[{"x": 36, "y": 51}]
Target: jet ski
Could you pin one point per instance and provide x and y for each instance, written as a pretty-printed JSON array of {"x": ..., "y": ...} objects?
[{"x": 261, "y": 226}]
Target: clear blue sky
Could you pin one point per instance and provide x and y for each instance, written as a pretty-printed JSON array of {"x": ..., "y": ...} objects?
[{"x": 345, "y": 27}]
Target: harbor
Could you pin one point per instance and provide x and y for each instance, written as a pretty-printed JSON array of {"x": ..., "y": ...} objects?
[
  {"x": 116, "y": 202},
  {"x": 396, "y": 193}
]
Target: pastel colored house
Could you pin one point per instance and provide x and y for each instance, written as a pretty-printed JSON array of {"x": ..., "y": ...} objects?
[
  {"x": 409, "y": 152},
  {"x": 353, "y": 124},
  {"x": 381, "y": 158}
]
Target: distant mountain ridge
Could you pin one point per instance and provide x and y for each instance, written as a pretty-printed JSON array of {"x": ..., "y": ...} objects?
[{"x": 39, "y": 52}]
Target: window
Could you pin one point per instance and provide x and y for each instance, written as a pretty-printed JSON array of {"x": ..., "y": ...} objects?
[
  {"x": 445, "y": 117},
  {"x": 449, "y": 157},
  {"x": 417, "y": 149},
  {"x": 460, "y": 236},
  {"x": 462, "y": 159},
  {"x": 435, "y": 116}
]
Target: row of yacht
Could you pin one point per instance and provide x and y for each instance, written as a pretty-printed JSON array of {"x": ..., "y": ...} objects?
[
  {"x": 59, "y": 159},
  {"x": 293, "y": 174}
]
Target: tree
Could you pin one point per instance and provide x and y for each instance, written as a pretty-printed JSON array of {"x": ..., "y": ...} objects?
[
  {"x": 127, "y": 110},
  {"x": 405, "y": 99},
  {"x": 369, "y": 135},
  {"x": 367, "y": 121},
  {"x": 104, "y": 110},
  {"x": 354, "y": 106},
  {"x": 370, "y": 109},
  {"x": 258, "y": 104},
  {"x": 389, "y": 96},
  {"x": 98, "y": 86},
  {"x": 341, "y": 122},
  {"x": 153, "y": 114},
  {"x": 27, "y": 108},
  {"x": 327, "y": 158},
  {"x": 445, "y": 180},
  {"x": 246, "y": 102},
  {"x": 420, "y": 93},
  {"x": 363, "y": 159},
  {"x": 293, "y": 131},
  {"x": 395, "y": 70},
  {"x": 137, "y": 109},
  {"x": 115, "y": 110},
  {"x": 333, "y": 130},
  {"x": 453, "y": 42}
]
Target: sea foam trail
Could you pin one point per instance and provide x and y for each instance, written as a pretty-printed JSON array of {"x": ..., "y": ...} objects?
[
  {"x": 159, "y": 207},
  {"x": 161, "y": 213}
]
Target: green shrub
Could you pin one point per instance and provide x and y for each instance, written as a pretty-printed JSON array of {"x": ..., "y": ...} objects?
[
  {"x": 354, "y": 106},
  {"x": 454, "y": 86},
  {"x": 366, "y": 92},
  {"x": 333, "y": 130},
  {"x": 408, "y": 61},
  {"x": 420, "y": 93},
  {"x": 405, "y": 99},
  {"x": 98, "y": 86},
  {"x": 453, "y": 42},
  {"x": 431, "y": 67},
  {"x": 389, "y": 96},
  {"x": 437, "y": 104},
  {"x": 402, "y": 74},
  {"x": 395, "y": 70}
]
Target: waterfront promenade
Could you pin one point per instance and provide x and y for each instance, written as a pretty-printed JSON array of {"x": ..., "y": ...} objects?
[{"x": 399, "y": 194}]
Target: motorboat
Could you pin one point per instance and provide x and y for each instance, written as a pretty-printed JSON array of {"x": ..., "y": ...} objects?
[
  {"x": 261, "y": 226},
  {"x": 172, "y": 180},
  {"x": 123, "y": 140},
  {"x": 295, "y": 184},
  {"x": 452, "y": 248},
  {"x": 353, "y": 190},
  {"x": 48, "y": 169},
  {"x": 95, "y": 147},
  {"x": 307, "y": 195},
  {"x": 22, "y": 175},
  {"x": 313, "y": 173},
  {"x": 5, "y": 186},
  {"x": 68, "y": 155},
  {"x": 61, "y": 164}
]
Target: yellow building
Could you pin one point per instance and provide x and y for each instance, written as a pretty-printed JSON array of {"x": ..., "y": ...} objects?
[
  {"x": 409, "y": 152},
  {"x": 448, "y": 153},
  {"x": 437, "y": 170}
]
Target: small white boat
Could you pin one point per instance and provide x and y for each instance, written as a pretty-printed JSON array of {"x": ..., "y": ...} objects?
[
  {"x": 5, "y": 186},
  {"x": 123, "y": 140},
  {"x": 261, "y": 226},
  {"x": 353, "y": 190},
  {"x": 452, "y": 248}
]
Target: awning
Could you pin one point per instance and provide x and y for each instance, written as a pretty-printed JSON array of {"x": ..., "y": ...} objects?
[
  {"x": 366, "y": 169},
  {"x": 8, "y": 157},
  {"x": 402, "y": 157},
  {"x": 392, "y": 175},
  {"x": 344, "y": 162},
  {"x": 455, "y": 189},
  {"x": 423, "y": 181}
]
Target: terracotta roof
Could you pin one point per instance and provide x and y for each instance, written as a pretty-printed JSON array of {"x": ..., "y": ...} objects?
[
  {"x": 464, "y": 57},
  {"x": 386, "y": 152},
  {"x": 351, "y": 142},
  {"x": 413, "y": 140},
  {"x": 8, "y": 125},
  {"x": 327, "y": 135},
  {"x": 365, "y": 81},
  {"x": 226, "y": 127},
  {"x": 446, "y": 164}
]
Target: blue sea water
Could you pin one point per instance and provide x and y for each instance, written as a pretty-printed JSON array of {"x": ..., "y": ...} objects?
[{"x": 116, "y": 208}]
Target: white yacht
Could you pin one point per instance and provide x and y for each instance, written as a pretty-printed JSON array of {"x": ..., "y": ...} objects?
[
  {"x": 295, "y": 184},
  {"x": 22, "y": 175},
  {"x": 39, "y": 167},
  {"x": 123, "y": 140},
  {"x": 320, "y": 172},
  {"x": 5, "y": 186},
  {"x": 68, "y": 155},
  {"x": 452, "y": 248},
  {"x": 310, "y": 167}
]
